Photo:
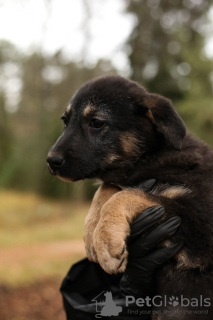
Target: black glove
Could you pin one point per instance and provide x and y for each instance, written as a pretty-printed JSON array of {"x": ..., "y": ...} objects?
[{"x": 144, "y": 256}]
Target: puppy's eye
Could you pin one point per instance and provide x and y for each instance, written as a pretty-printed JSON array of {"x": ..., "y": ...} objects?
[
  {"x": 64, "y": 118},
  {"x": 96, "y": 123}
]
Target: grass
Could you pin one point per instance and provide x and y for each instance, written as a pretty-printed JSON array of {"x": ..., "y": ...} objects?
[
  {"x": 27, "y": 220},
  {"x": 29, "y": 273}
]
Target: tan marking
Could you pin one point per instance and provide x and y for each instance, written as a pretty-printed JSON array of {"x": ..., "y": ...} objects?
[
  {"x": 150, "y": 116},
  {"x": 68, "y": 108},
  {"x": 150, "y": 102},
  {"x": 89, "y": 109},
  {"x": 65, "y": 179},
  {"x": 107, "y": 225},
  {"x": 185, "y": 263},
  {"x": 113, "y": 228},
  {"x": 182, "y": 258},
  {"x": 166, "y": 243},
  {"x": 128, "y": 203},
  {"x": 104, "y": 192},
  {"x": 112, "y": 157},
  {"x": 129, "y": 143},
  {"x": 102, "y": 195},
  {"x": 175, "y": 191}
]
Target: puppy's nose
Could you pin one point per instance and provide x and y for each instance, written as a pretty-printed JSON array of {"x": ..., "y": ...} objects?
[{"x": 55, "y": 161}]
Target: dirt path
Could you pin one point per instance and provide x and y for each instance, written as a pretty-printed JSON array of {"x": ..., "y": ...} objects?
[
  {"x": 41, "y": 252},
  {"x": 40, "y": 300}
]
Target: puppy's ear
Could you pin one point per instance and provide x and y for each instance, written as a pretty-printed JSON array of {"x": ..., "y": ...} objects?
[{"x": 162, "y": 114}]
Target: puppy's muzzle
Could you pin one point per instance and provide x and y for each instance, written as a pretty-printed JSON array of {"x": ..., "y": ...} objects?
[{"x": 54, "y": 163}]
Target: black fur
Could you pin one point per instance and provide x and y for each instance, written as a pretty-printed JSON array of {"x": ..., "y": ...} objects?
[{"x": 159, "y": 148}]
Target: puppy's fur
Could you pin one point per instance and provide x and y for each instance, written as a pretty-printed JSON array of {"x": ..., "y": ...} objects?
[{"x": 116, "y": 131}]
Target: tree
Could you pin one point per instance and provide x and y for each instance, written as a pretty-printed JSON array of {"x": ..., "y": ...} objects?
[
  {"x": 8, "y": 62},
  {"x": 167, "y": 44}
]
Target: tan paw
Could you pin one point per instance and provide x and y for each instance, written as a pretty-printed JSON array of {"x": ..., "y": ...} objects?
[
  {"x": 110, "y": 246},
  {"x": 90, "y": 250},
  {"x": 88, "y": 242}
]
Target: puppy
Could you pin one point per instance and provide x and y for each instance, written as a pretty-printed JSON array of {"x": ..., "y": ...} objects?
[{"x": 118, "y": 132}]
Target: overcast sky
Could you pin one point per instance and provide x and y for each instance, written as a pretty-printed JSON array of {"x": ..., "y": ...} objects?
[
  {"x": 55, "y": 24},
  {"x": 52, "y": 25}
]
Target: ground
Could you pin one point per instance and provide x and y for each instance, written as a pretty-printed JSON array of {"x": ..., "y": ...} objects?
[
  {"x": 41, "y": 298},
  {"x": 40, "y": 239}
]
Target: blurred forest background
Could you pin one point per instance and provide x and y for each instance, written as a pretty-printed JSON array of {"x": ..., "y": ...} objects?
[{"x": 165, "y": 50}]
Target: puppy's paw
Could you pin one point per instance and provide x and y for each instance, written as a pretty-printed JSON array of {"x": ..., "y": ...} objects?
[
  {"x": 110, "y": 246},
  {"x": 90, "y": 251},
  {"x": 88, "y": 241}
]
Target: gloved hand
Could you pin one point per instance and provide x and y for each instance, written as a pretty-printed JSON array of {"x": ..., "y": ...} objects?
[{"x": 145, "y": 257}]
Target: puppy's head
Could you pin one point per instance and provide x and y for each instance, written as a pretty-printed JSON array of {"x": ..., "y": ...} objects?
[{"x": 109, "y": 124}]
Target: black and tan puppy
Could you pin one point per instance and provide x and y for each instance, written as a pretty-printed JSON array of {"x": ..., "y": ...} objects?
[{"x": 116, "y": 131}]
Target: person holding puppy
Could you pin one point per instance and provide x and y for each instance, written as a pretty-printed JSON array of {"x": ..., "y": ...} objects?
[{"x": 130, "y": 293}]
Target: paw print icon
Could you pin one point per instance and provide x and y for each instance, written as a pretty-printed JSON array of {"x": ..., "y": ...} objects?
[{"x": 174, "y": 301}]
